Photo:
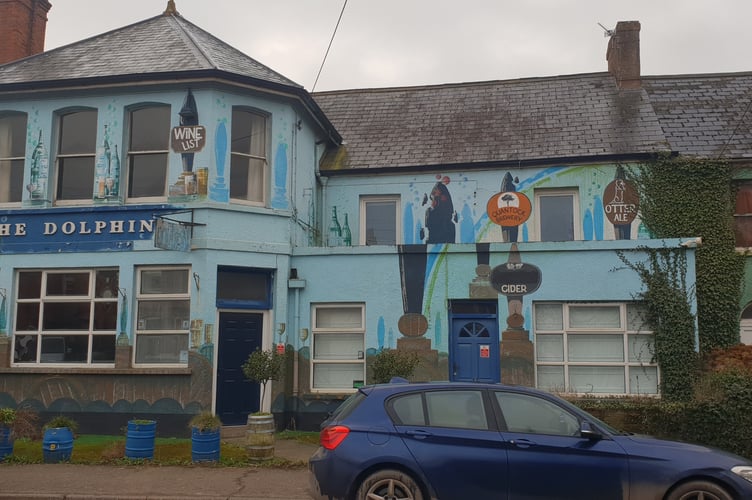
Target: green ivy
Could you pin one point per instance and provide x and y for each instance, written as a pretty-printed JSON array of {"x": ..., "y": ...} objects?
[
  {"x": 688, "y": 197},
  {"x": 680, "y": 198},
  {"x": 669, "y": 313}
]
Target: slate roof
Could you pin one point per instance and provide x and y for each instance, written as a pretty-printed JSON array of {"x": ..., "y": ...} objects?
[
  {"x": 163, "y": 44},
  {"x": 704, "y": 115},
  {"x": 538, "y": 119}
]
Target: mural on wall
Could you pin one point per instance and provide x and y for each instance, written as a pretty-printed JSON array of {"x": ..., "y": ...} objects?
[
  {"x": 107, "y": 171},
  {"x": 219, "y": 190},
  {"x": 440, "y": 218},
  {"x": 188, "y": 139},
  {"x": 339, "y": 234},
  {"x": 279, "y": 197},
  {"x": 40, "y": 171}
]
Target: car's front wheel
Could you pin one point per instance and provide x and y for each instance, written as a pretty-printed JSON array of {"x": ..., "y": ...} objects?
[
  {"x": 699, "y": 490},
  {"x": 389, "y": 484}
]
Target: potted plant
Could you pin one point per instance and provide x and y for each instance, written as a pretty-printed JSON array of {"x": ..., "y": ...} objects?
[
  {"x": 7, "y": 418},
  {"x": 139, "y": 438},
  {"x": 57, "y": 441},
  {"x": 262, "y": 366},
  {"x": 205, "y": 437}
]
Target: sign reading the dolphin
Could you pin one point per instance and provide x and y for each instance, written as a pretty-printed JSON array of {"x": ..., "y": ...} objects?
[{"x": 509, "y": 208}]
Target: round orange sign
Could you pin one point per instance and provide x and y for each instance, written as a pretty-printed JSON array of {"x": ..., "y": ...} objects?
[{"x": 509, "y": 208}]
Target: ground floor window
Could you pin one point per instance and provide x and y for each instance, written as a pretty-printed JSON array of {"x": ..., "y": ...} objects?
[
  {"x": 65, "y": 316},
  {"x": 163, "y": 306},
  {"x": 594, "y": 348},
  {"x": 338, "y": 360}
]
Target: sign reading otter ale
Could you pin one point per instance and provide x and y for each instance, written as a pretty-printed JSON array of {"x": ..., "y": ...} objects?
[{"x": 621, "y": 202}]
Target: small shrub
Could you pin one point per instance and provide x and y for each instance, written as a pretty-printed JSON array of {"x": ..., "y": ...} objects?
[
  {"x": 390, "y": 363},
  {"x": 263, "y": 366},
  {"x": 7, "y": 416},
  {"x": 62, "y": 421},
  {"x": 26, "y": 424},
  {"x": 205, "y": 422}
]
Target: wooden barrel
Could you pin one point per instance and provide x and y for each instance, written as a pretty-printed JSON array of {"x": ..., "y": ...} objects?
[{"x": 260, "y": 437}]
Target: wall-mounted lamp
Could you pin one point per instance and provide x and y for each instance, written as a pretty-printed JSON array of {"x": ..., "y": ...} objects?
[
  {"x": 197, "y": 280},
  {"x": 3, "y": 292},
  {"x": 281, "y": 328}
]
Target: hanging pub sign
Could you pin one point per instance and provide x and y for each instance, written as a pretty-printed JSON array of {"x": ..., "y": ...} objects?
[
  {"x": 621, "y": 202},
  {"x": 509, "y": 208},
  {"x": 188, "y": 139}
]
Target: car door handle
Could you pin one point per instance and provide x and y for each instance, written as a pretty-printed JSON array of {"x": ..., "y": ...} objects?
[
  {"x": 418, "y": 434},
  {"x": 522, "y": 443}
]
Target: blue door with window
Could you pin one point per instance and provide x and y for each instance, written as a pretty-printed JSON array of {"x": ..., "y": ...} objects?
[
  {"x": 239, "y": 335},
  {"x": 474, "y": 350}
]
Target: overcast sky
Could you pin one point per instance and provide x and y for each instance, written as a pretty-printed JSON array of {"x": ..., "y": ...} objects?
[{"x": 387, "y": 43}]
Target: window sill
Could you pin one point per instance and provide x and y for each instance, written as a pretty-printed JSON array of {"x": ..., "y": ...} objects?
[{"x": 95, "y": 370}]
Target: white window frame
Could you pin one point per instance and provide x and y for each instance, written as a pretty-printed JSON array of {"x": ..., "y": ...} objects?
[
  {"x": 250, "y": 156},
  {"x": 628, "y": 333},
  {"x": 91, "y": 155},
  {"x": 365, "y": 201},
  {"x": 125, "y": 173},
  {"x": 576, "y": 219},
  {"x": 6, "y": 156},
  {"x": 182, "y": 328},
  {"x": 358, "y": 358},
  {"x": 44, "y": 299}
]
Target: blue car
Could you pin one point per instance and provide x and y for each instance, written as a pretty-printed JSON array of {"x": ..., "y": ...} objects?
[{"x": 464, "y": 441}]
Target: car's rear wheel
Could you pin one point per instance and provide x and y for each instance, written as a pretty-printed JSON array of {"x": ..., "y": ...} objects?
[
  {"x": 389, "y": 484},
  {"x": 699, "y": 490}
]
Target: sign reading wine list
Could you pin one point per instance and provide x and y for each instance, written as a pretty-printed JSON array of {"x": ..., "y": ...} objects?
[{"x": 188, "y": 139}]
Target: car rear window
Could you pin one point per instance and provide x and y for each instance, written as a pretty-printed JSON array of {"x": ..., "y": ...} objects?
[{"x": 348, "y": 406}]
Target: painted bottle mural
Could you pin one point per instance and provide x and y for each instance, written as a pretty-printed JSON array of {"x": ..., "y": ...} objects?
[
  {"x": 335, "y": 230},
  {"x": 346, "y": 233},
  {"x": 102, "y": 168},
  {"x": 115, "y": 174},
  {"x": 39, "y": 171}
]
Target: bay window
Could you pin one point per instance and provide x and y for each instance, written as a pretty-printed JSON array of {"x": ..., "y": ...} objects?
[
  {"x": 148, "y": 151},
  {"x": 248, "y": 160},
  {"x": 76, "y": 155}
]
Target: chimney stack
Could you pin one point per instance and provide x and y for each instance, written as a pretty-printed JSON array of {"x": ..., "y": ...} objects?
[
  {"x": 23, "y": 24},
  {"x": 623, "y": 54}
]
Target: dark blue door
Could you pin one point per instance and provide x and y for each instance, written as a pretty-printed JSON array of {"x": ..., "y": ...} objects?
[{"x": 239, "y": 335}]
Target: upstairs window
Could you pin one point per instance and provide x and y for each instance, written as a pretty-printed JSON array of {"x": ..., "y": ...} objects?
[
  {"x": 76, "y": 155},
  {"x": 743, "y": 215},
  {"x": 12, "y": 151},
  {"x": 148, "y": 152},
  {"x": 248, "y": 160},
  {"x": 557, "y": 211},
  {"x": 379, "y": 220}
]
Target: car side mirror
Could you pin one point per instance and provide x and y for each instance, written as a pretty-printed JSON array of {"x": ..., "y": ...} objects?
[{"x": 587, "y": 431}]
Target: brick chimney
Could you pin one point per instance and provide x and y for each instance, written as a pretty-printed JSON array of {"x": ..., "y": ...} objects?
[
  {"x": 623, "y": 54},
  {"x": 22, "y": 28}
]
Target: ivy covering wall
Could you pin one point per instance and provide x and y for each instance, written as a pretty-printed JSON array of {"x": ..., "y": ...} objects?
[{"x": 682, "y": 198}]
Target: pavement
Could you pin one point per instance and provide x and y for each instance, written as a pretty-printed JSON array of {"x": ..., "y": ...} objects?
[{"x": 156, "y": 482}]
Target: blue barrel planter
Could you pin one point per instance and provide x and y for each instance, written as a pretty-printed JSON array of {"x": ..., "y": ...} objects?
[
  {"x": 6, "y": 442},
  {"x": 205, "y": 445},
  {"x": 139, "y": 439},
  {"x": 57, "y": 445}
]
